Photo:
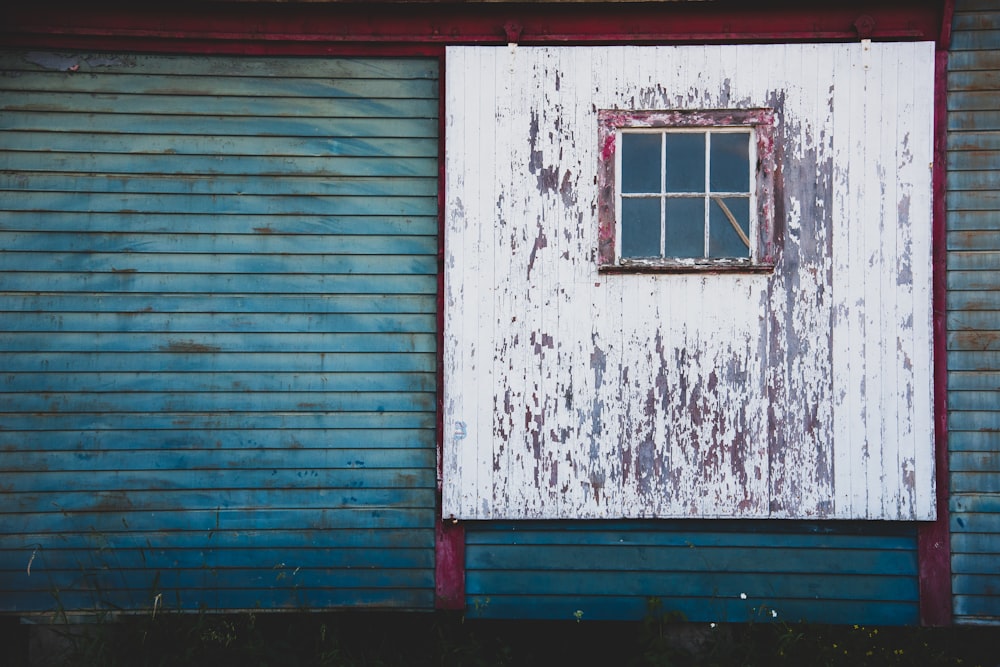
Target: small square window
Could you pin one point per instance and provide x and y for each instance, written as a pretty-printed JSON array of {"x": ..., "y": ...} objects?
[{"x": 686, "y": 191}]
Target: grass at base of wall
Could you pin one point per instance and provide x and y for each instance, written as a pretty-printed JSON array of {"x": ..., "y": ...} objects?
[{"x": 416, "y": 639}]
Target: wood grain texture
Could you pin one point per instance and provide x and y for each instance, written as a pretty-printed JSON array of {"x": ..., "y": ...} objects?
[
  {"x": 801, "y": 393},
  {"x": 973, "y": 318},
  {"x": 218, "y": 333}
]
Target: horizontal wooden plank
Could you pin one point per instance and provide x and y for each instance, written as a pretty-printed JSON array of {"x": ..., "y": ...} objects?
[
  {"x": 972, "y": 220},
  {"x": 973, "y": 320},
  {"x": 231, "y": 401},
  {"x": 130, "y": 557},
  {"x": 973, "y": 340},
  {"x": 971, "y": 300},
  {"x": 972, "y": 441},
  {"x": 219, "y": 322},
  {"x": 139, "y": 457},
  {"x": 235, "y": 203},
  {"x": 691, "y": 534},
  {"x": 155, "y": 223},
  {"x": 297, "y": 533},
  {"x": 334, "y": 441},
  {"x": 233, "y": 165},
  {"x": 976, "y": 100},
  {"x": 975, "y": 40},
  {"x": 974, "y": 381},
  {"x": 181, "y": 360},
  {"x": 966, "y": 145},
  {"x": 975, "y": 563},
  {"x": 976, "y": 74},
  {"x": 971, "y": 159},
  {"x": 209, "y": 125},
  {"x": 81, "y": 507},
  {"x": 287, "y": 598},
  {"x": 976, "y": 522},
  {"x": 119, "y": 518},
  {"x": 263, "y": 105},
  {"x": 262, "y": 242},
  {"x": 258, "y": 67},
  {"x": 293, "y": 482},
  {"x": 981, "y": 20},
  {"x": 958, "y": 181},
  {"x": 550, "y": 560},
  {"x": 978, "y": 584},
  {"x": 974, "y": 120},
  {"x": 973, "y": 260},
  {"x": 702, "y": 609},
  {"x": 263, "y": 576},
  {"x": 202, "y": 304},
  {"x": 206, "y": 283},
  {"x": 962, "y": 62},
  {"x": 687, "y": 584},
  {"x": 974, "y": 201},
  {"x": 202, "y": 90},
  {"x": 977, "y": 606},
  {"x": 973, "y": 280},
  {"x": 216, "y": 342},
  {"x": 208, "y": 381},
  {"x": 976, "y": 482},
  {"x": 221, "y": 146},
  {"x": 969, "y": 420},
  {"x": 228, "y": 263},
  {"x": 119, "y": 421},
  {"x": 191, "y": 185},
  {"x": 987, "y": 461},
  {"x": 975, "y": 501}
]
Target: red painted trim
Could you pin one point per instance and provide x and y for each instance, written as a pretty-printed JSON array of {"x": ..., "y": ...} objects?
[
  {"x": 449, "y": 537},
  {"x": 319, "y": 29},
  {"x": 947, "y": 17},
  {"x": 934, "y": 539},
  {"x": 449, "y": 566}
]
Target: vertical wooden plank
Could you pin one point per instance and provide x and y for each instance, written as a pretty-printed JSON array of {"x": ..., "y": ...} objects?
[
  {"x": 886, "y": 67},
  {"x": 843, "y": 212},
  {"x": 922, "y": 198}
]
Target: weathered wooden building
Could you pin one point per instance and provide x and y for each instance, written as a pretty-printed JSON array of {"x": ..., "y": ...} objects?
[{"x": 532, "y": 310}]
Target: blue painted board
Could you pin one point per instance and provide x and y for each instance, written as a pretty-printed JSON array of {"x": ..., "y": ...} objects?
[
  {"x": 972, "y": 322},
  {"x": 218, "y": 331}
]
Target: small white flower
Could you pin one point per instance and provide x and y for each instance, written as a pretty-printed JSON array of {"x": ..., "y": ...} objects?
[
  {"x": 743, "y": 596},
  {"x": 711, "y": 625},
  {"x": 774, "y": 613}
]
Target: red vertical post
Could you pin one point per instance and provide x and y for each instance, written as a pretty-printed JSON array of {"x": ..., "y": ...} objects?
[{"x": 934, "y": 539}]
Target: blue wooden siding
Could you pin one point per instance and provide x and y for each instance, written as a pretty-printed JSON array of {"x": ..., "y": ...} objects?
[
  {"x": 974, "y": 309},
  {"x": 830, "y": 572},
  {"x": 217, "y": 331}
]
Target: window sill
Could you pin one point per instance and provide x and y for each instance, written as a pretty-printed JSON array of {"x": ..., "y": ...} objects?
[{"x": 687, "y": 266}]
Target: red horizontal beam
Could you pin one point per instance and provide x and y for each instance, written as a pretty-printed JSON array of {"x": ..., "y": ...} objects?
[{"x": 321, "y": 28}]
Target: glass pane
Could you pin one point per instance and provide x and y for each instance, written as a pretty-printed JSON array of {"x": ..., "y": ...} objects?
[
  {"x": 641, "y": 227},
  {"x": 730, "y": 162},
  {"x": 685, "y": 227},
  {"x": 640, "y": 162},
  {"x": 723, "y": 239},
  {"x": 685, "y": 161}
]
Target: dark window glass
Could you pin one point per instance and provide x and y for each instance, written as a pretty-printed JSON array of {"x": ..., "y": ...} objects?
[
  {"x": 723, "y": 238},
  {"x": 685, "y": 227},
  {"x": 641, "y": 227},
  {"x": 730, "y": 162},
  {"x": 641, "y": 162},
  {"x": 685, "y": 161}
]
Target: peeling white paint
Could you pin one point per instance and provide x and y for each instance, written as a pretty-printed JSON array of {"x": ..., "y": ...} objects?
[{"x": 802, "y": 393}]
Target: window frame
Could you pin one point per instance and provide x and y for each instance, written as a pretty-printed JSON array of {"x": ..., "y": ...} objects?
[{"x": 759, "y": 121}]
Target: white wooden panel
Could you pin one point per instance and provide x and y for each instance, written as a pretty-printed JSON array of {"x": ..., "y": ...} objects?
[{"x": 595, "y": 395}]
